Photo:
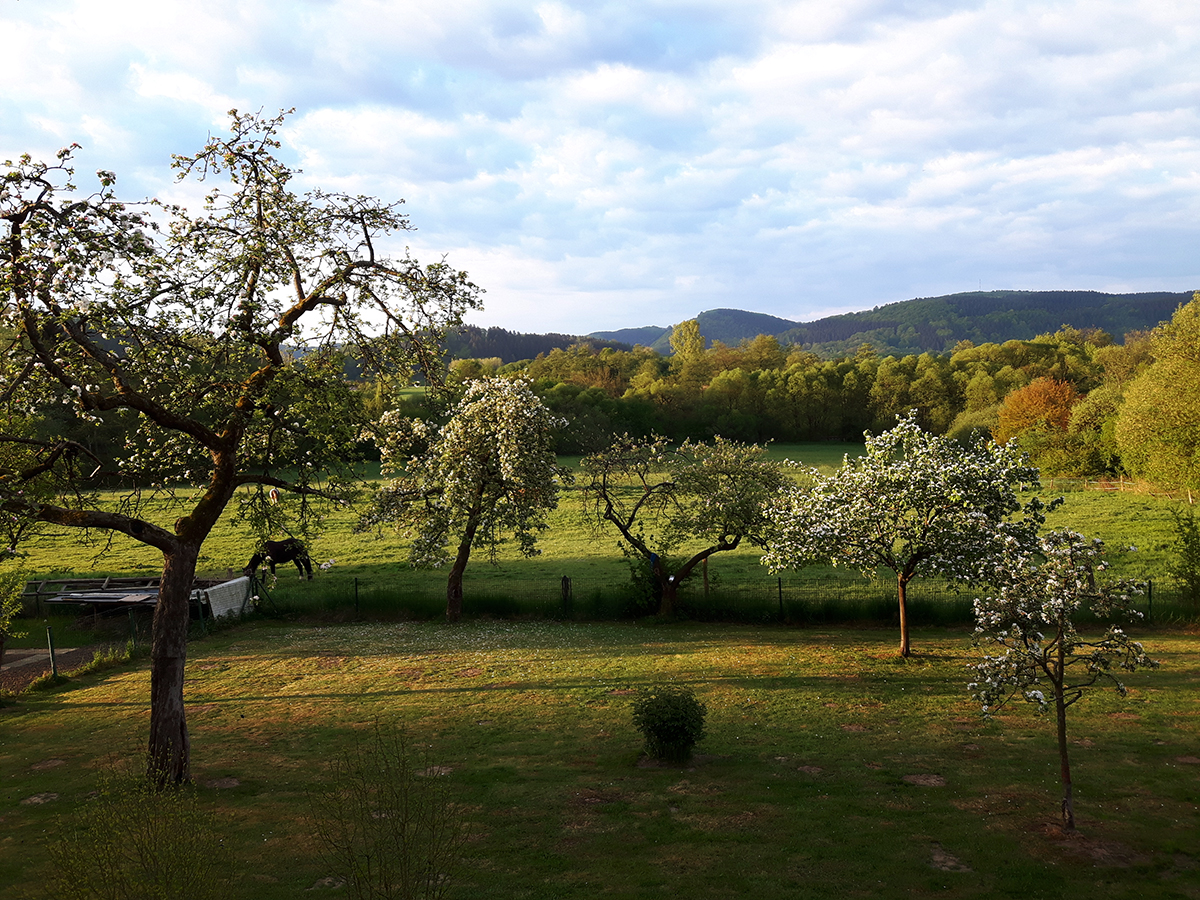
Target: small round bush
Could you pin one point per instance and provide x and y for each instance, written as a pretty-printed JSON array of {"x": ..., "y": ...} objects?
[{"x": 671, "y": 719}]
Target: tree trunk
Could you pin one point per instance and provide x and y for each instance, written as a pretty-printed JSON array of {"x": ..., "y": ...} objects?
[
  {"x": 1060, "y": 708},
  {"x": 170, "y": 748},
  {"x": 902, "y": 582},
  {"x": 670, "y": 590},
  {"x": 454, "y": 584}
]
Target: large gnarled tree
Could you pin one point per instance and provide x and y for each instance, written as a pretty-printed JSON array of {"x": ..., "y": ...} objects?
[
  {"x": 676, "y": 507},
  {"x": 216, "y": 340}
]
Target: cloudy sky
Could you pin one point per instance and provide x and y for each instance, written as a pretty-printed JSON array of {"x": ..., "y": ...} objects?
[{"x": 599, "y": 165}]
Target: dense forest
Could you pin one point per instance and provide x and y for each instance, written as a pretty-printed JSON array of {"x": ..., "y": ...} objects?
[{"x": 473, "y": 342}]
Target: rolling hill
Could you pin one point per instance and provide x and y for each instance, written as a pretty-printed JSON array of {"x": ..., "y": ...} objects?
[{"x": 934, "y": 324}]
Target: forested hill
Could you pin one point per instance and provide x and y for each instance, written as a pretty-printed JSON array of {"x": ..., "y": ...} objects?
[
  {"x": 729, "y": 326},
  {"x": 938, "y": 323},
  {"x": 911, "y": 326},
  {"x": 933, "y": 323},
  {"x": 473, "y": 342}
]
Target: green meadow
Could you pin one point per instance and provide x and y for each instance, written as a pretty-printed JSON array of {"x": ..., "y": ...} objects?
[
  {"x": 1136, "y": 528},
  {"x": 830, "y": 768}
]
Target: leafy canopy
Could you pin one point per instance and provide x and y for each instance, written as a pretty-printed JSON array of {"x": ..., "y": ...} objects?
[
  {"x": 488, "y": 473},
  {"x": 915, "y": 503},
  {"x": 214, "y": 342},
  {"x": 676, "y": 507},
  {"x": 1039, "y": 655},
  {"x": 1158, "y": 427}
]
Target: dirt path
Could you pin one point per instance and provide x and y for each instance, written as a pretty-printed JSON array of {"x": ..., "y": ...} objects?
[{"x": 23, "y": 667}]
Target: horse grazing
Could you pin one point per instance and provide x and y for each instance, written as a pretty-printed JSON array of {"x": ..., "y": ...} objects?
[{"x": 275, "y": 552}]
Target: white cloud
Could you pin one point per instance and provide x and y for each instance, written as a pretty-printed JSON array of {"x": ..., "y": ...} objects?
[{"x": 598, "y": 166}]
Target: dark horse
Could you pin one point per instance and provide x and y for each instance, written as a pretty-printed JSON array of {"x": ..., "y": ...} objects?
[{"x": 275, "y": 552}]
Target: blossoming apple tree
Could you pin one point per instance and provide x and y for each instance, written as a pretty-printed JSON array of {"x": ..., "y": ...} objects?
[
  {"x": 488, "y": 473},
  {"x": 676, "y": 507},
  {"x": 915, "y": 503},
  {"x": 1041, "y": 657}
]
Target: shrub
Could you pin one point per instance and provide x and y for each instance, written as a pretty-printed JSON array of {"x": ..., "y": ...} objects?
[
  {"x": 671, "y": 719},
  {"x": 12, "y": 583},
  {"x": 131, "y": 841},
  {"x": 1185, "y": 567},
  {"x": 386, "y": 822}
]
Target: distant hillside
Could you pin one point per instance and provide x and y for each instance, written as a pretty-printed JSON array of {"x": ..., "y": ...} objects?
[
  {"x": 932, "y": 324},
  {"x": 473, "y": 342},
  {"x": 935, "y": 324},
  {"x": 730, "y": 326},
  {"x": 938, "y": 323},
  {"x": 646, "y": 335}
]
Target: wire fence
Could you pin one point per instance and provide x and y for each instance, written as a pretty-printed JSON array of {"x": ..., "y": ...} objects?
[
  {"x": 1121, "y": 485},
  {"x": 794, "y": 601}
]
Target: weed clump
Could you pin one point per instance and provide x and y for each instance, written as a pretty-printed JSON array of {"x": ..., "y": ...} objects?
[
  {"x": 671, "y": 720},
  {"x": 131, "y": 840},
  {"x": 386, "y": 821}
]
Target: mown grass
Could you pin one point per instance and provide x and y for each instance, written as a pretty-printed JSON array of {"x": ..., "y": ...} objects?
[{"x": 804, "y": 787}]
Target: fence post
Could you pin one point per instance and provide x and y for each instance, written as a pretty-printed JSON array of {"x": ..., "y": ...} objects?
[
  {"x": 356, "y": 596},
  {"x": 779, "y": 582},
  {"x": 567, "y": 607},
  {"x": 50, "y": 642},
  {"x": 1150, "y": 601}
]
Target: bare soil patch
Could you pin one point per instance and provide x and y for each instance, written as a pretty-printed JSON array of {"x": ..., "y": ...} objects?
[
  {"x": 1096, "y": 850},
  {"x": 941, "y": 859},
  {"x": 16, "y": 678},
  {"x": 595, "y": 797},
  {"x": 39, "y": 799},
  {"x": 926, "y": 780}
]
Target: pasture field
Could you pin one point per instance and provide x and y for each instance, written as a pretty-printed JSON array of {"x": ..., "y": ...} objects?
[
  {"x": 59, "y": 551},
  {"x": 1137, "y": 529},
  {"x": 831, "y": 768},
  {"x": 1123, "y": 520}
]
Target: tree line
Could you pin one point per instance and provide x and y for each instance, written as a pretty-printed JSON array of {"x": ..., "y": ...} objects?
[{"x": 1080, "y": 403}]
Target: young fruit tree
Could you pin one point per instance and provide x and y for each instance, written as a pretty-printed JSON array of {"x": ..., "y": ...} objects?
[
  {"x": 675, "y": 508},
  {"x": 1042, "y": 658},
  {"x": 214, "y": 342},
  {"x": 915, "y": 503},
  {"x": 489, "y": 472}
]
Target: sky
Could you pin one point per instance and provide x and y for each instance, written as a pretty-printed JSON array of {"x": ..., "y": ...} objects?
[{"x": 601, "y": 165}]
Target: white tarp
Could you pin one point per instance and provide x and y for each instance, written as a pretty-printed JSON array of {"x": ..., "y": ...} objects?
[{"x": 228, "y": 598}]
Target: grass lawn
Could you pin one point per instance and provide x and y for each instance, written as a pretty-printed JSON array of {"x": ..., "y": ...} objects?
[
  {"x": 831, "y": 768},
  {"x": 569, "y": 547}
]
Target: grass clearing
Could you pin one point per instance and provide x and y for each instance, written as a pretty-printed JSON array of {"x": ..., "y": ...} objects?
[
  {"x": 569, "y": 547},
  {"x": 831, "y": 767}
]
